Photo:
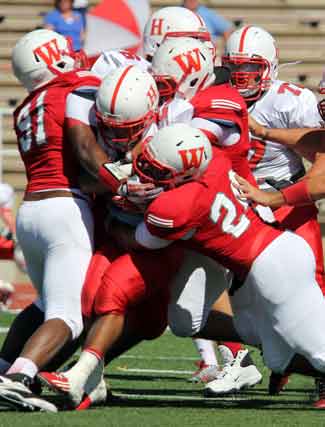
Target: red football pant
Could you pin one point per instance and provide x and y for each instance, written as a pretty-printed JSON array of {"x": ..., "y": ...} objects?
[
  {"x": 303, "y": 221},
  {"x": 137, "y": 283}
]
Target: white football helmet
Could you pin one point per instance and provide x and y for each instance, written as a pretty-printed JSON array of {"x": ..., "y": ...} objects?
[
  {"x": 175, "y": 155},
  {"x": 182, "y": 66},
  {"x": 173, "y": 21},
  {"x": 252, "y": 57},
  {"x": 40, "y": 56},
  {"x": 126, "y": 104}
]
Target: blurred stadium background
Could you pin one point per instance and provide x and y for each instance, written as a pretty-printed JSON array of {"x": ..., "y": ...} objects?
[{"x": 298, "y": 26}]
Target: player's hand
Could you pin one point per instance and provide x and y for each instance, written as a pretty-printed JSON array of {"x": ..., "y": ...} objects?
[
  {"x": 249, "y": 192},
  {"x": 256, "y": 129},
  {"x": 137, "y": 192},
  {"x": 127, "y": 206}
]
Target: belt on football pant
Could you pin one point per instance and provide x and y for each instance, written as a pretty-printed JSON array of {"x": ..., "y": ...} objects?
[{"x": 42, "y": 195}]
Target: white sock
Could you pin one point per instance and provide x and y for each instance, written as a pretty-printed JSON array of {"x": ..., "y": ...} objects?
[
  {"x": 226, "y": 354},
  {"x": 4, "y": 366},
  {"x": 87, "y": 363},
  {"x": 23, "y": 366},
  {"x": 206, "y": 351}
]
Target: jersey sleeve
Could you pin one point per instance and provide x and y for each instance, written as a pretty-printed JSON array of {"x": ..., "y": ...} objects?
[
  {"x": 168, "y": 217},
  {"x": 112, "y": 59},
  {"x": 306, "y": 112},
  {"x": 80, "y": 108},
  {"x": 176, "y": 111},
  {"x": 295, "y": 107}
]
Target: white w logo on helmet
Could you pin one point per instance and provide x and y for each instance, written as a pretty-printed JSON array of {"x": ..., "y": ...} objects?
[
  {"x": 48, "y": 52},
  {"x": 189, "y": 61}
]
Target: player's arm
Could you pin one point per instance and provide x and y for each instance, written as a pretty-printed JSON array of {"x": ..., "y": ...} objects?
[
  {"x": 301, "y": 193},
  {"x": 79, "y": 122},
  {"x": 139, "y": 238},
  {"x": 305, "y": 141}
]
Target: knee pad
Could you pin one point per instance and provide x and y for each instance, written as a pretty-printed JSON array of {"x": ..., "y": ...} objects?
[{"x": 181, "y": 322}]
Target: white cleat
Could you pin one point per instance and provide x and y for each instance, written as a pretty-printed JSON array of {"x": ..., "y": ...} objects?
[
  {"x": 79, "y": 395},
  {"x": 93, "y": 397},
  {"x": 238, "y": 375},
  {"x": 15, "y": 394}
]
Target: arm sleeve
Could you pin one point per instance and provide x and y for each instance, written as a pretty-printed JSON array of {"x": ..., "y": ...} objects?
[
  {"x": 80, "y": 109},
  {"x": 148, "y": 240},
  {"x": 217, "y": 133},
  {"x": 170, "y": 218}
]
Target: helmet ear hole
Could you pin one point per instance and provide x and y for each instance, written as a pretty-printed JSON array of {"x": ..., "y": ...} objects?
[{"x": 193, "y": 82}]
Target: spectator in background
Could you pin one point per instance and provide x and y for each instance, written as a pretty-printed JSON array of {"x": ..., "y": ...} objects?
[
  {"x": 217, "y": 25},
  {"x": 81, "y": 6},
  {"x": 65, "y": 21}
]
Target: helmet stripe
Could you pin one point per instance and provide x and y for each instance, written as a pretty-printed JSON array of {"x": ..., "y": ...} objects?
[
  {"x": 117, "y": 88},
  {"x": 242, "y": 38}
]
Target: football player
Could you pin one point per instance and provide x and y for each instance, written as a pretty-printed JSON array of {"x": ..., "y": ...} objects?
[
  {"x": 123, "y": 291},
  {"x": 184, "y": 71},
  {"x": 252, "y": 57},
  {"x": 200, "y": 206},
  {"x": 54, "y": 222}
]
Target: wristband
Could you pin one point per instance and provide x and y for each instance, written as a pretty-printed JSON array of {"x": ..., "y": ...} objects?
[
  {"x": 111, "y": 176},
  {"x": 297, "y": 194}
]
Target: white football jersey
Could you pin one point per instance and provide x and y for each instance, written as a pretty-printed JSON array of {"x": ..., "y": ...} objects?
[
  {"x": 285, "y": 105},
  {"x": 112, "y": 59},
  {"x": 181, "y": 111}
]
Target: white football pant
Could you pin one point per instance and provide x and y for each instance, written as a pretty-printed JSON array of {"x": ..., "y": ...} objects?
[{"x": 56, "y": 236}]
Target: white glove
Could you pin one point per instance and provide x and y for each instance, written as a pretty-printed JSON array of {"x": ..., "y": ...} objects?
[{"x": 137, "y": 192}]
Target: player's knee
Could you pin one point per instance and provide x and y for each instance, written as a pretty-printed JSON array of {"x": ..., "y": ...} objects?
[
  {"x": 73, "y": 321},
  {"x": 110, "y": 298},
  {"x": 181, "y": 322}
]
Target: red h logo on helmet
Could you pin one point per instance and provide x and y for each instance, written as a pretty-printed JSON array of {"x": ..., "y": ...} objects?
[
  {"x": 192, "y": 158},
  {"x": 189, "y": 61},
  {"x": 152, "y": 95},
  {"x": 49, "y": 52},
  {"x": 156, "y": 27}
]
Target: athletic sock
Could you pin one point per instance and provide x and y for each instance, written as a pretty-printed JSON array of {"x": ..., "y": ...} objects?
[
  {"x": 206, "y": 351},
  {"x": 228, "y": 351},
  {"x": 88, "y": 361},
  {"x": 23, "y": 366}
]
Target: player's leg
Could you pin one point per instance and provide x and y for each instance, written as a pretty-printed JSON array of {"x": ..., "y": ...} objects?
[
  {"x": 289, "y": 317},
  {"x": 129, "y": 280},
  {"x": 64, "y": 230}
]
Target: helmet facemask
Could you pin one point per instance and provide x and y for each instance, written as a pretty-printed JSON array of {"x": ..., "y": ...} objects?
[
  {"x": 123, "y": 135},
  {"x": 151, "y": 170},
  {"x": 250, "y": 76}
]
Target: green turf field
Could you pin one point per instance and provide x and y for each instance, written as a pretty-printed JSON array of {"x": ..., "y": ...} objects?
[{"x": 150, "y": 389}]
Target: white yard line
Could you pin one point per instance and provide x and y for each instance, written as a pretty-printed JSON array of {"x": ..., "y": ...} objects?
[
  {"x": 3, "y": 330},
  {"x": 181, "y": 397},
  {"x": 154, "y": 371},
  {"x": 158, "y": 357}
]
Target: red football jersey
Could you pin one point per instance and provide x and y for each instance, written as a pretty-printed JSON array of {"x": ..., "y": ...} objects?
[
  {"x": 223, "y": 228},
  {"x": 39, "y": 124},
  {"x": 224, "y": 105}
]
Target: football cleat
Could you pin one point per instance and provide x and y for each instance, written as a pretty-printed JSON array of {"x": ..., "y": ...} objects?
[
  {"x": 96, "y": 396},
  {"x": 277, "y": 383},
  {"x": 238, "y": 375},
  {"x": 15, "y": 393},
  {"x": 204, "y": 374},
  {"x": 94, "y": 391}
]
